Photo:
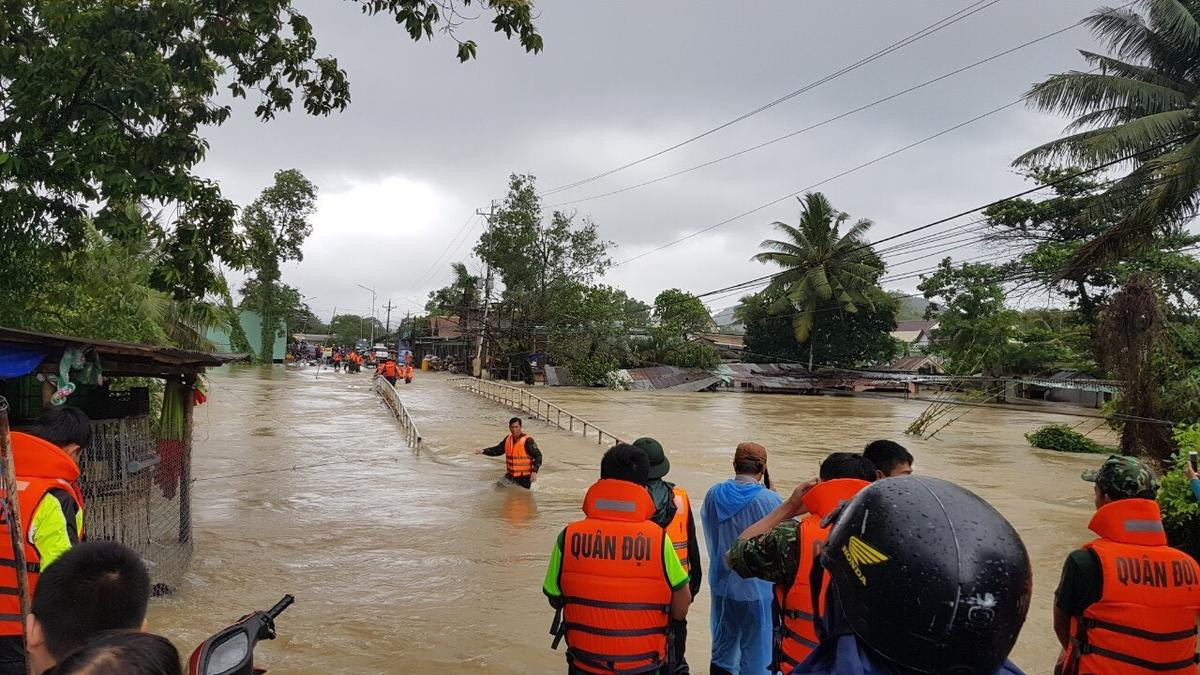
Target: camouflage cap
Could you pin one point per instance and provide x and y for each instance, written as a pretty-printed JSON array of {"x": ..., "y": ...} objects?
[{"x": 1121, "y": 476}]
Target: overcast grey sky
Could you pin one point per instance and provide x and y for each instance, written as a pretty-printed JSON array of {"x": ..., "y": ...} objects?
[{"x": 427, "y": 140}]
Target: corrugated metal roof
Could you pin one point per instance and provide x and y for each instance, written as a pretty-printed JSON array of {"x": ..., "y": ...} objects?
[{"x": 115, "y": 354}]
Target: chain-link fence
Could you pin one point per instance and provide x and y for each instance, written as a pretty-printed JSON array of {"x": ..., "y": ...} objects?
[{"x": 134, "y": 492}]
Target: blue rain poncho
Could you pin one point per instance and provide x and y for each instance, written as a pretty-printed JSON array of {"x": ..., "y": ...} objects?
[
  {"x": 845, "y": 656},
  {"x": 741, "y": 608}
]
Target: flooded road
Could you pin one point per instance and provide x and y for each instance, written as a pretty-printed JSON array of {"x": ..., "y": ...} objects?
[{"x": 417, "y": 562}]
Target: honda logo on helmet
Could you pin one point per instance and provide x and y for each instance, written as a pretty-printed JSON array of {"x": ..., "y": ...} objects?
[{"x": 861, "y": 554}]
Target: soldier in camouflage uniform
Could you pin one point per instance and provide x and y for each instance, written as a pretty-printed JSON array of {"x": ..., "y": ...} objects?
[{"x": 1130, "y": 483}]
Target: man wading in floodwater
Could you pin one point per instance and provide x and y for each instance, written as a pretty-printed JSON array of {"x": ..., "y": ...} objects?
[{"x": 522, "y": 459}]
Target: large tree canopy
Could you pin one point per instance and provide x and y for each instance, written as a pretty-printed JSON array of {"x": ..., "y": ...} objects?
[
  {"x": 821, "y": 264},
  {"x": 1139, "y": 102},
  {"x": 103, "y": 105}
]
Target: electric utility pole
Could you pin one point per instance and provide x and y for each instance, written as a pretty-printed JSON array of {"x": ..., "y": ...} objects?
[
  {"x": 477, "y": 366},
  {"x": 388, "y": 326}
]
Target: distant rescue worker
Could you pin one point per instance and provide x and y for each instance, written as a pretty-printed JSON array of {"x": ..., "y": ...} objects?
[
  {"x": 890, "y": 458},
  {"x": 673, "y": 512},
  {"x": 614, "y": 577},
  {"x": 408, "y": 373},
  {"x": 522, "y": 458},
  {"x": 924, "y": 577},
  {"x": 388, "y": 370},
  {"x": 337, "y": 360},
  {"x": 46, "y": 461},
  {"x": 780, "y": 550},
  {"x": 740, "y": 614},
  {"x": 1127, "y": 602}
]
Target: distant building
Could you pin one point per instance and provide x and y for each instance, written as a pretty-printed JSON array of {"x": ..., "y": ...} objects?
[
  {"x": 1070, "y": 385},
  {"x": 729, "y": 347},
  {"x": 446, "y": 327},
  {"x": 916, "y": 365},
  {"x": 252, "y": 327},
  {"x": 727, "y": 323},
  {"x": 915, "y": 334}
]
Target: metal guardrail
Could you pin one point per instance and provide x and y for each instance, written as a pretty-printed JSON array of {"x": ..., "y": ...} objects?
[
  {"x": 389, "y": 395},
  {"x": 535, "y": 406}
]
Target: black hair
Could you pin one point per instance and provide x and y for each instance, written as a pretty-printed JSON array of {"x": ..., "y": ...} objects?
[
  {"x": 515, "y": 419},
  {"x": 94, "y": 587},
  {"x": 748, "y": 465},
  {"x": 847, "y": 465},
  {"x": 625, "y": 462},
  {"x": 887, "y": 455},
  {"x": 62, "y": 425},
  {"x": 122, "y": 652}
]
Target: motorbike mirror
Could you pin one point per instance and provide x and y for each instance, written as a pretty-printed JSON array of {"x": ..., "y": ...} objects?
[{"x": 229, "y": 655}]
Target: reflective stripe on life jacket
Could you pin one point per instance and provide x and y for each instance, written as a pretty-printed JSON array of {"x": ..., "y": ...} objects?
[
  {"x": 1145, "y": 619},
  {"x": 517, "y": 462},
  {"x": 36, "y": 462},
  {"x": 797, "y": 633},
  {"x": 677, "y": 529},
  {"x": 616, "y": 596}
]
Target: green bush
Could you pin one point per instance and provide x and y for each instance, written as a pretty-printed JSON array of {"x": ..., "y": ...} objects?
[
  {"x": 1181, "y": 513},
  {"x": 1063, "y": 438}
]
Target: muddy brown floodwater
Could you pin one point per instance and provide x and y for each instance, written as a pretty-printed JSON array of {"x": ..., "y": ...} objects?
[{"x": 406, "y": 562}]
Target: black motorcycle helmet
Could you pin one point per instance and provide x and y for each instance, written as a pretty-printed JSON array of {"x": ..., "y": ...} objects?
[{"x": 929, "y": 575}]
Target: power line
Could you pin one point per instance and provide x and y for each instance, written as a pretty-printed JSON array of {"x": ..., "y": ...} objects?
[
  {"x": 824, "y": 122},
  {"x": 461, "y": 230},
  {"x": 802, "y": 190},
  {"x": 945, "y": 22}
]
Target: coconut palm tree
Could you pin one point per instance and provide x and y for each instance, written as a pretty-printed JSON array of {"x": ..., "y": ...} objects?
[
  {"x": 820, "y": 265},
  {"x": 1141, "y": 100}
]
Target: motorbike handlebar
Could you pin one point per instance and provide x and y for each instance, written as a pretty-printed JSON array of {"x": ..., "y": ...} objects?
[{"x": 283, "y": 604}]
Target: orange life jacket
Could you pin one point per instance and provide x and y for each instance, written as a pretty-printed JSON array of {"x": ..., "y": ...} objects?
[
  {"x": 797, "y": 634},
  {"x": 40, "y": 466},
  {"x": 1145, "y": 620},
  {"x": 615, "y": 593},
  {"x": 517, "y": 463},
  {"x": 677, "y": 529},
  {"x": 388, "y": 368},
  {"x": 337, "y": 357},
  {"x": 408, "y": 372}
]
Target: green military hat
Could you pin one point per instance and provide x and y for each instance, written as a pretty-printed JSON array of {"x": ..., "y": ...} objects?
[
  {"x": 1124, "y": 477},
  {"x": 659, "y": 466}
]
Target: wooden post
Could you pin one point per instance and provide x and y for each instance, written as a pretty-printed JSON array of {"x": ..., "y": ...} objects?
[
  {"x": 185, "y": 469},
  {"x": 12, "y": 505}
]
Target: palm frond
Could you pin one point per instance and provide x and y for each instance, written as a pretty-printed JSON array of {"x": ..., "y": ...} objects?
[
  {"x": 1109, "y": 117},
  {"x": 1175, "y": 23},
  {"x": 1142, "y": 73},
  {"x": 802, "y": 325},
  {"x": 1078, "y": 93},
  {"x": 858, "y": 231},
  {"x": 1172, "y": 196},
  {"x": 1125, "y": 32}
]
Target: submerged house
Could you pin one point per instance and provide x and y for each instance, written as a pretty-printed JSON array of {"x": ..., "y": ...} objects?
[{"x": 136, "y": 477}]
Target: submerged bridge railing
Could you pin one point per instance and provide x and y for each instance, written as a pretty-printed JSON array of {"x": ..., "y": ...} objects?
[
  {"x": 389, "y": 395},
  {"x": 533, "y": 406}
]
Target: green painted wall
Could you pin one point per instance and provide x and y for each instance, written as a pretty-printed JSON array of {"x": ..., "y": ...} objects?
[{"x": 252, "y": 325}]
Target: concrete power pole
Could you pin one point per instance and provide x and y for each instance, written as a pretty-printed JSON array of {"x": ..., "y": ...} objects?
[
  {"x": 388, "y": 326},
  {"x": 477, "y": 365}
]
